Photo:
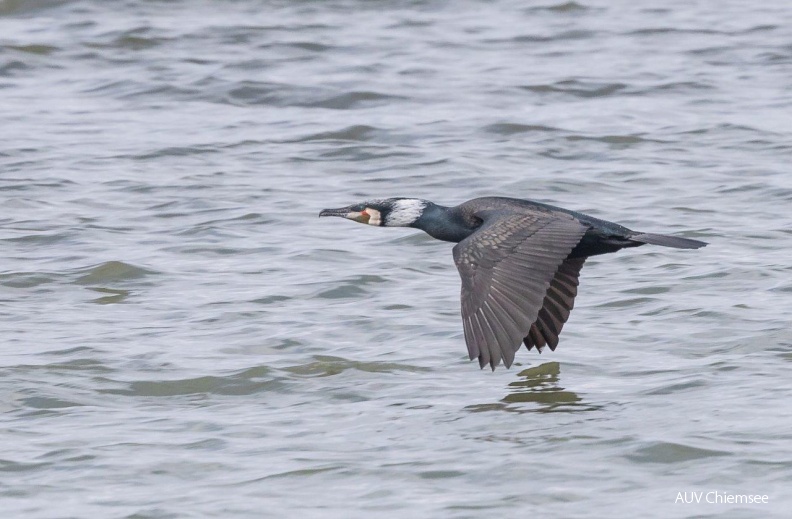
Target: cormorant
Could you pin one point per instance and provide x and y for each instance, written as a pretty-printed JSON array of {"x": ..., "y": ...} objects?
[{"x": 519, "y": 261}]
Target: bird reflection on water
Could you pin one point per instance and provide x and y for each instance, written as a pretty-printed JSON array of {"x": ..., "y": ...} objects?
[{"x": 538, "y": 385}]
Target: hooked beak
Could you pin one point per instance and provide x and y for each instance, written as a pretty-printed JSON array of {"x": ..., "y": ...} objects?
[{"x": 342, "y": 212}]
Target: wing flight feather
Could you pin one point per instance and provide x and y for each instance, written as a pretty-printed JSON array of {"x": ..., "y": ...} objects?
[{"x": 517, "y": 284}]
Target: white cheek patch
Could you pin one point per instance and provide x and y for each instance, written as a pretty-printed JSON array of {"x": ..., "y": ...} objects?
[
  {"x": 405, "y": 212},
  {"x": 375, "y": 218}
]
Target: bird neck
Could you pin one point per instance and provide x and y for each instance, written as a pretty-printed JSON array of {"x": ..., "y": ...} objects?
[{"x": 442, "y": 223}]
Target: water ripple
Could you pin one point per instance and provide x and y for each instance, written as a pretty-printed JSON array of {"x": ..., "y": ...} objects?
[
  {"x": 246, "y": 382},
  {"x": 175, "y": 315}
]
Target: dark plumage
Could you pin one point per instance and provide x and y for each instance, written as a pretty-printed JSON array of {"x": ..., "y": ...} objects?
[{"x": 519, "y": 261}]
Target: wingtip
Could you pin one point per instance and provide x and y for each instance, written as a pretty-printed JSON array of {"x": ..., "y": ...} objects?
[{"x": 491, "y": 363}]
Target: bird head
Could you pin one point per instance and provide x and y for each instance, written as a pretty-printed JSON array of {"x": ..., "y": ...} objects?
[{"x": 390, "y": 212}]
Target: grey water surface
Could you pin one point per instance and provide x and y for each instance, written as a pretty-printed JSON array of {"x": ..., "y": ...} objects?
[{"x": 183, "y": 337}]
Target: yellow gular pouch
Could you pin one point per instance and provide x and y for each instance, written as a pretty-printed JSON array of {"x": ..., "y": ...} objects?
[
  {"x": 358, "y": 216},
  {"x": 370, "y": 216}
]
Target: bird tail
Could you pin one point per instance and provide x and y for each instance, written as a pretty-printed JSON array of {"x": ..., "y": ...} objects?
[{"x": 668, "y": 241}]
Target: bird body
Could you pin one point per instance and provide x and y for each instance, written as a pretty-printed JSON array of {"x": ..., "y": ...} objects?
[{"x": 519, "y": 261}]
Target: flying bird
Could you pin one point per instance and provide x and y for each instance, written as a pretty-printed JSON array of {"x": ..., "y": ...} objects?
[{"x": 519, "y": 261}]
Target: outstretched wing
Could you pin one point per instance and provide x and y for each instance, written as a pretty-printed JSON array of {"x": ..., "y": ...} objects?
[
  {"x": 506, "y": 267},
  {"x": 558, "y": 302}
]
